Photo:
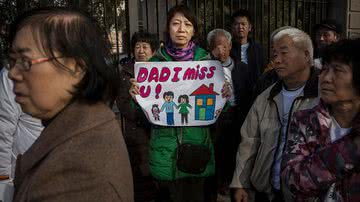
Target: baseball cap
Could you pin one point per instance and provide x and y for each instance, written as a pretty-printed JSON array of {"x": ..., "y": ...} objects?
[{"x": 329, "y": 24}]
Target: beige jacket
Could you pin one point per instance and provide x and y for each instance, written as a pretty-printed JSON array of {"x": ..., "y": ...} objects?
[
  {"x": 80, "y": 156},
  {"x": 260, "y": 134}
]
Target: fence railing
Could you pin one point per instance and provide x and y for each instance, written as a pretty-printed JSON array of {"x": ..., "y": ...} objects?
[
  {"x": 268, "y": 15},
  {"x": 114, "y": 15}
]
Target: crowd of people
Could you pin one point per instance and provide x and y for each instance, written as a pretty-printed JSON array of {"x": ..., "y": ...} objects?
[{"x": 289, "y": 130}]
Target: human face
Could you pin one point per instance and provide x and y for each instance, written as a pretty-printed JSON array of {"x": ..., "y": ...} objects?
[
  {"x": 181, "y": 30},
  {"x": 142, "y": 52},
  {"x": 336, "y": 83},
  {"x": 221, "y": 47},
  {"x": 45, "y": 89},
  {"x": 325, "y": 37},
  {"x": 241, "y": 28},
  {"x": 168, "y": 98},
  {"x": 290, "y": 62}
]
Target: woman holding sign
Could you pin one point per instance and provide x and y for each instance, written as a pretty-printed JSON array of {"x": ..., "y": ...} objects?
[{"x": 172, "y": 149}]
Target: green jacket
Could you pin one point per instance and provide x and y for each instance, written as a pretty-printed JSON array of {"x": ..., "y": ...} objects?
[{"x": 163, "y": 140}]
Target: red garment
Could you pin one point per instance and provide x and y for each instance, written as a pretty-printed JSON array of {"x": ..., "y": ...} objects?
[{"x": 312, "y": 163}]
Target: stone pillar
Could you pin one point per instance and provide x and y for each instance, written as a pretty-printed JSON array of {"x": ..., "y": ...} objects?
[{"x": 353, "y": 25}]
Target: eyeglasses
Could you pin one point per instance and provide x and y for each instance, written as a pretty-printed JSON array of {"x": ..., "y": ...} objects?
[{"x": 24, "y": 64}]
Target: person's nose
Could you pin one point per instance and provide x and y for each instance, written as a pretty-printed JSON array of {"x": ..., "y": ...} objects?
[
  {"x": 181, "y": 27},
  {"x": 15, "y": 74},
  {"x": 322, "y": 38},
  {"x": 277, "y": 59},
  {"x": 327, "y": 75}
]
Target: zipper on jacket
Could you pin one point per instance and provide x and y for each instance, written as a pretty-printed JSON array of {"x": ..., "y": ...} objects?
[{"x": 280, "y": 135}]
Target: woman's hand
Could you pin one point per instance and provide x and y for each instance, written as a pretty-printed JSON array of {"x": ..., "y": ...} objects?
[
  {"x": 134, "y": 89},
  {"x": 240, "y": 195},
  {"x": 226, "y": 90},
  {"x": 221, "y": 53}
]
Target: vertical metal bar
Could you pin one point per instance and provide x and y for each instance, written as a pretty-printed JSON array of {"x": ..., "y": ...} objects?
[
  {"x": 316, "y": 17},
  {"x": 214, "y": 16},
  {"x": 231, "y": 6},
  {"x": 276, "y": 14},
  {"x": 290, "y": 14},
  {"x": 255, "y": 18},
  {"x": 269, "y": 24},
  {"x": 104, "y": 16},
  {"x": 167, "y": 5},
  {"x": 247, "y": 4},
  {"x": 204, "y": 28},
  {"x": 283, "y": 12},
  {"x": 296, "y": 13},
  {"x": 223, "y": 15},
  {"x": 310, "y": 16},
  {"x": 262, "y": 21},
  {"x": 147, "y": 14},
  {"x": 92, "y": 7},
  {"x": 127, "y": 27},
  {"x": 304, "y": 16},
  {"x": 196, "y": 8},
  {"x": 116, "y": 29},
  {"x": 157, "y": 18}
]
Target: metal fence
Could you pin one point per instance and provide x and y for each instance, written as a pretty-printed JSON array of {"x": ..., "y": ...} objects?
[
  {"x": 115, "y": 18},
  {"x": 112, "y": 15},
  {"x": 267, "y": 15}
]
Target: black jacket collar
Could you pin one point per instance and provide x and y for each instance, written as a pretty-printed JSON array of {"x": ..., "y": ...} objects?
[{"x": 310, "y": 89}]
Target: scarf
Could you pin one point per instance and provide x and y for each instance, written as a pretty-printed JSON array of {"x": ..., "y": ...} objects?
[{"x": 181, "y": 54}]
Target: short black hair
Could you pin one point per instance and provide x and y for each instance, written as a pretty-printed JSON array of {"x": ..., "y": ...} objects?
[
  {"x": 168, "y": 93},
  {"x": 144, "y": 36},
  {"x": 345, "y": 51},
  {"x": 186, "y": 97},
  {"x": 241, "y": 13},
  {"x": 74, "y": 34},
  {"x": 183, "y": 9}
]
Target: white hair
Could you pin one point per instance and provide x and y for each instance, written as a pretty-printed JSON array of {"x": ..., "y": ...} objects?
[
  {"x": 211, "y": 35},
  {"x": 301, "y": 39}
]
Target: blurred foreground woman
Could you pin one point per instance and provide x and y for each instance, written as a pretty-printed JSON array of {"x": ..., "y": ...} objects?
[
  {"x": 322, "y": 159},
  {"x": 58, "y": 65}
]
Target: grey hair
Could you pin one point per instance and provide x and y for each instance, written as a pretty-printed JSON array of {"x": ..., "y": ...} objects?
[
  {"x": 211, "y": 35},
  {"x": 277, "y": 31},
  {"x": 301, "y": 39}
]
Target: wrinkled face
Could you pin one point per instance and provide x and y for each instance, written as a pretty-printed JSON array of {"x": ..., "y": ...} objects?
[
  {"x": 336, "y": 83},
  {"x": 241, "y": 28},
  {"x": 168, "y": 98},
  {"x": 289, "y": 60},
  {"x": 142, "y": 52},
  {"x": 223, "y": 45},
  {"x": 45, "y": 89},
  {"x": 325, "y": 37},
  {"x": 181, "y": 30}
]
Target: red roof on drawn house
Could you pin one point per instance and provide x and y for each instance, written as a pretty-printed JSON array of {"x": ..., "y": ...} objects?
[{"x": 204, "y": 90}]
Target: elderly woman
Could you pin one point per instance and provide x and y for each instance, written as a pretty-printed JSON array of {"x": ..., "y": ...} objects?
[
  {"x": 136, "y": 127},
  {"x": 58, "y": 65},
  {"x": 322, "y": 159},
  {"x": 181, "y": 28}
]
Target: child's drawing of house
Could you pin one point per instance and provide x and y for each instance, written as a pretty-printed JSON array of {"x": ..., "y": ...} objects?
[{"x": 205, "y": 98}]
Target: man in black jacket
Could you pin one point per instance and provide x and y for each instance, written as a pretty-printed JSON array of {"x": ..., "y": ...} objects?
[{"x": 249, "y": 61}]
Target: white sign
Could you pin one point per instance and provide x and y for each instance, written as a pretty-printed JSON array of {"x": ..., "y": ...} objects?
[{"x": 180, "y": 93}]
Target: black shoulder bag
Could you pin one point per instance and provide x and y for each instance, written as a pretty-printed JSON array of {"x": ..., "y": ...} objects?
[{"x": 192, "y": 158}]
